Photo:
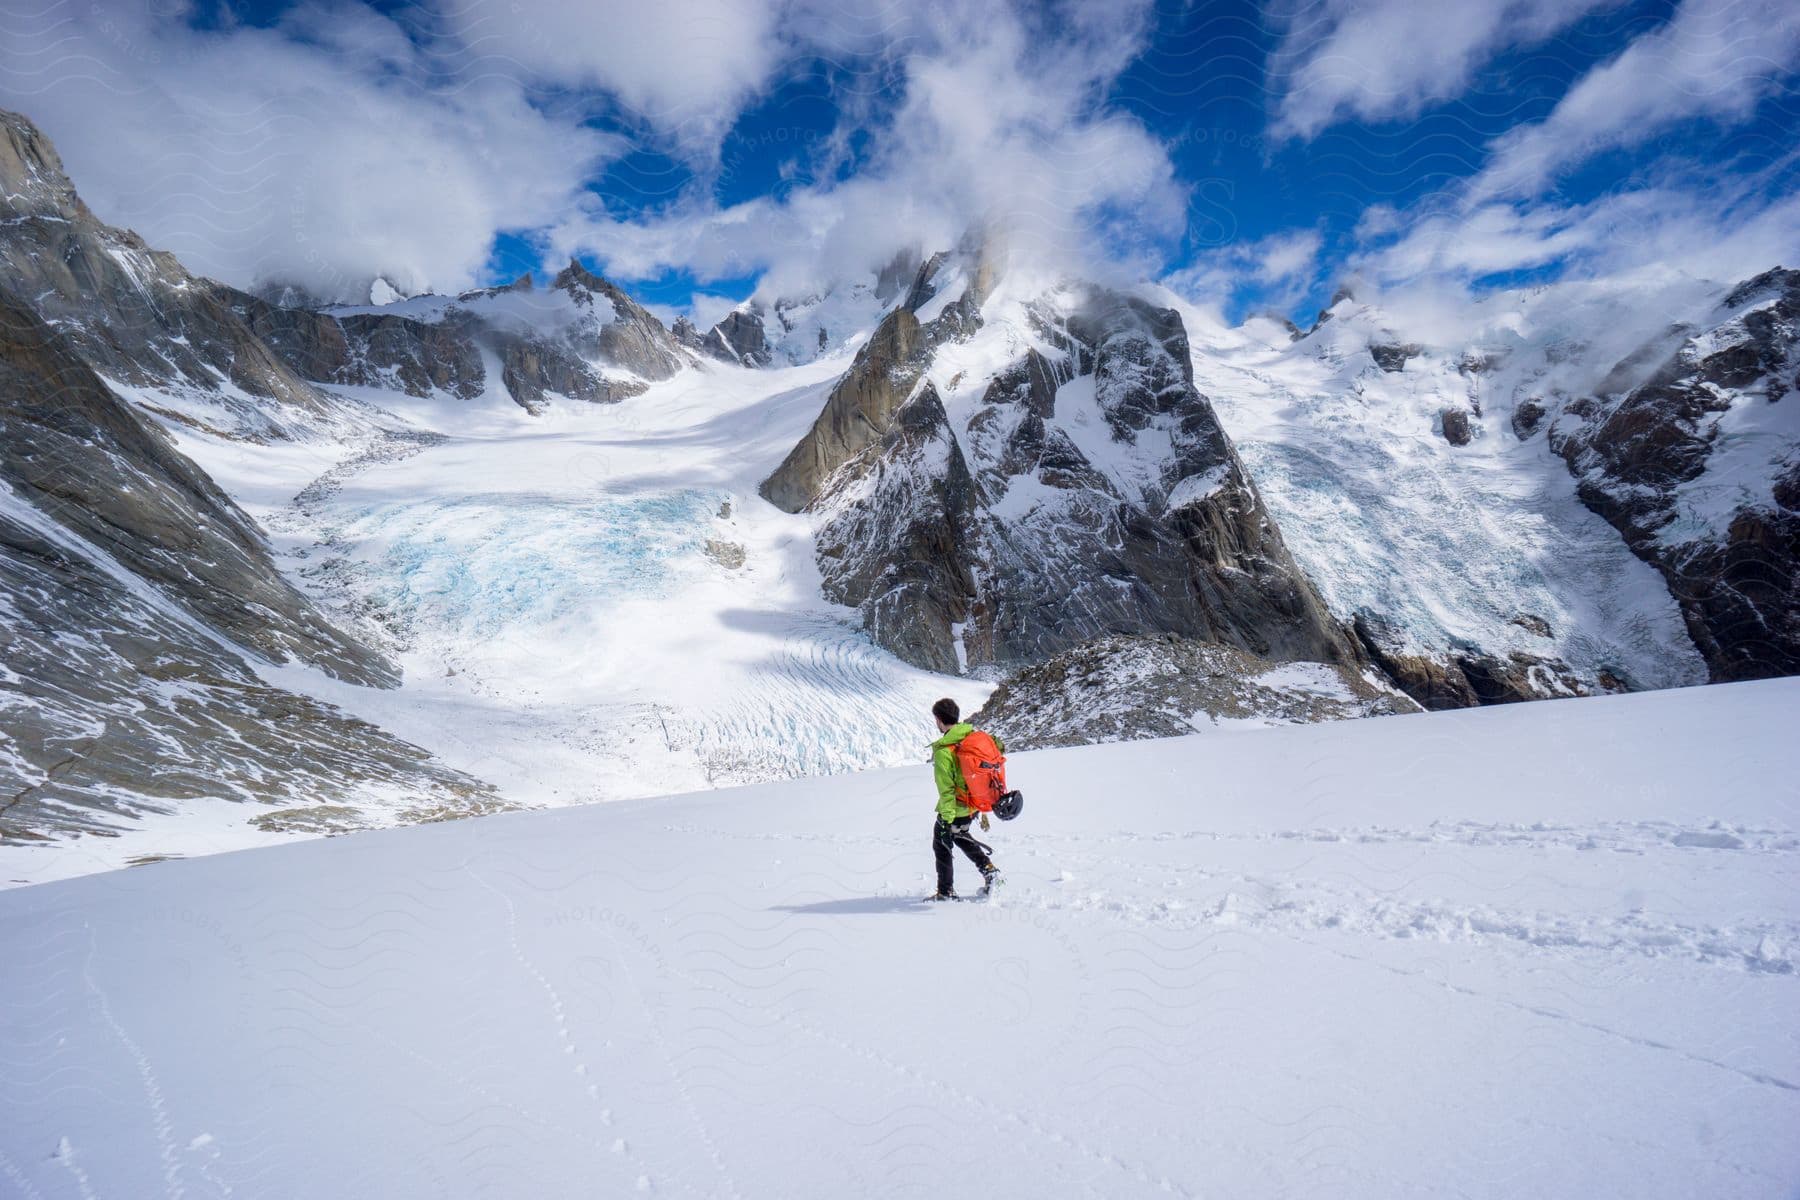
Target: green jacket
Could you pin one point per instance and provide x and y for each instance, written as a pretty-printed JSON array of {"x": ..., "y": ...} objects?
[{"x": 948, "y": 775}]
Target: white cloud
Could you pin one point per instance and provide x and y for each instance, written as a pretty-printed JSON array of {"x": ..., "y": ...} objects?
[
  {"x": 1388, "y": 59},
  {"x": 683, "y": 67},
  {"x": 1001, "y": 120},
  {"x": 707, "y": 310},
  {"x": 1714, "y": 59},
  {"x": 323, "y": 152},
  {"x": 1722, "y": 232},
  {"x": 1280, "y": 269},
  {"x": 1678, "y": 223},
  {"x": 341, "y": 144}
]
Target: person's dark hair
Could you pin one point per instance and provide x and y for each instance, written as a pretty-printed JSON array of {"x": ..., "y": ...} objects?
[{"x": 946, "y": 711}]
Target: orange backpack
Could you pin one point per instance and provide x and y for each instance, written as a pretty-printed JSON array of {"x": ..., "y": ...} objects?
[{"x": 983, "y": 771}]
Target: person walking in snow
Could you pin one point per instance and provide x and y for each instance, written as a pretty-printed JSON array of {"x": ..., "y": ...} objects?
[{"x": 954, "y": 816}]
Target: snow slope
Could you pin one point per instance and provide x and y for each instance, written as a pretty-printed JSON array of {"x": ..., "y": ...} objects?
[
  {"x": 1448, "y": 543},
  {"x": 1386, "y": 959}
]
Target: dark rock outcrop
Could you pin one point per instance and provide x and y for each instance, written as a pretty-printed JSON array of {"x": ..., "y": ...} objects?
[
  {"x": 118, "y": 706},
  {"x": 1116, "y": 689},
  {"x": 902, "y": 545},
  {"x": 132, "y": 313},
  {"x": 132, "y": 589},
  {"x": 445, "y": 352},
  {"x": 1343, "y": 294},
  {"x": 688, "y": 334},
  {"x": 919, "y": 533},
  {"x": 1294, "y": 332},
  {"x": 859, "y": 411},
  {"x": 1392, "y": 356},
  {"x": 1533, "y": 624},
  {"x": 1517, "y": 676},
  {"x": 367, "y": 349},
  {"x": 1031, "y": 382},
  {"x": 136, "y": 316},
  {"x": 87, "y": 460},
  {"x": 1528, "y": 416},
  {"x": 630, "y": 337},
  {"x": 532, "y": 367},
  {"x": 1465, "y": 676},
  {"x": 1649, "y": 458},
  {"x": 1455, "y": 423},
  {"x": 896, "y": 274},
  {"x": 742, "y": 333}
]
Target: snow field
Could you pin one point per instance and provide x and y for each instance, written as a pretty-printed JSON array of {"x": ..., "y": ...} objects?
[{"x": 1541, "y": 949}]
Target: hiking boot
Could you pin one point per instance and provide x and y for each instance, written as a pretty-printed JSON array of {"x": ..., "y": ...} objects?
[
  {"x": 936, "y": 896},
  {"x": 990, "y": 875}
]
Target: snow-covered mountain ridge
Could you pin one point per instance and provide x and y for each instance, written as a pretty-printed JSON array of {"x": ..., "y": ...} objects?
[
  {"x": 542, "y": 513},
  {"x": 1446, "y": 477}
]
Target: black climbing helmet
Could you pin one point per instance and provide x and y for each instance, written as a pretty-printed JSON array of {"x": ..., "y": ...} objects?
[{"x": 1009, "y": 805}]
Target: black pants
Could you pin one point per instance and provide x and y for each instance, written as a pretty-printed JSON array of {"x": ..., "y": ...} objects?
[{"x": 944, "y": 835}]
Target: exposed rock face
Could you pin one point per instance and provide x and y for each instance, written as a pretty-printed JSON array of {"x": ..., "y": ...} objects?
[
  {"x": 117, "y": 706},
  {"x": 788, "y": 330},
  {"x": 905, "y": 537},
  {"x": 543, "y": 350},
  {"x": 859, "y": 411},
  {"x": 896, "y": 274},
  {"x": 742, "y": 333},
  {"x": 1528, "y": 416},
  {"x": 738, "y": 339},
  {"x": 1286, "y": 323},
  {"x": 125, "y": 579},
  {"x": 84, "y": 458},
  {"x": 883, "y": 377},
  {"x": 1088, "y": 490},
  {"x": 1456, "y": 426},
  {"x": 1465, "y": 677},
  {"x": 1698, "y": 466},
  {"x": 131, "y": 312},
  {"x": 367, "y": 349},
  {"x": 1533, "y": 624},
  {"x": 136, "y": 316},
  {"x": 710, "y": 344},
  {"x": 1030, "y": 382},
  {"x": 623, "y": 333},
  {"x": 729, "y": 555},
  {"x": 1518, "y": 676},
  {"x": 1392, "y": 356},
  {"x": 1118, "y": 689}
]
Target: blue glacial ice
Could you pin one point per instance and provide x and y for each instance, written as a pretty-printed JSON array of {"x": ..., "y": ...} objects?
[{"x": 480, "y": 564}]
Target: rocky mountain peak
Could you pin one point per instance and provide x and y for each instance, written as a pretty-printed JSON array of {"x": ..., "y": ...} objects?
[
  {"x": 897, "y": 274},
  {"x": 1687, "y": 448},
  {"x": 1776, "y": 282},
  {"x": 1073, "y": 484},
  {"x": 625, "y": 333},
  {"x": 32, "y": 172},
  {"x": 576, "y": 277},
  {"x": 133, "y": 313}
]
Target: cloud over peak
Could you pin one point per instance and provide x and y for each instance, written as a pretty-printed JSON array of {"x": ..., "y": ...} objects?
[
  {"x": 995, "y": 119},
  {"x": 700, "y": 148}
]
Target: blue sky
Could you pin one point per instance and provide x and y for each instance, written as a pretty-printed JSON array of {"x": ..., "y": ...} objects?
[{"x": 1251, "y": 155}]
